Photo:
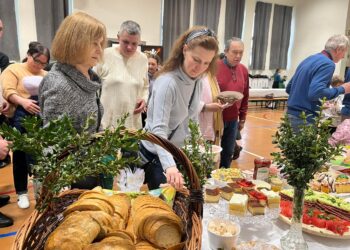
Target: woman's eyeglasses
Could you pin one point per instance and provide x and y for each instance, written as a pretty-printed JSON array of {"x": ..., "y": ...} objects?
[{"x": 37, "y": 61}]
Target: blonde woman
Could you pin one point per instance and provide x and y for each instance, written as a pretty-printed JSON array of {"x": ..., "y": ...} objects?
[{"x": 71, "y": 87}]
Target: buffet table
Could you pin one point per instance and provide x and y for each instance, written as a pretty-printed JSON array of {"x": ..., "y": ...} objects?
[{"x": 270, "y": 231}]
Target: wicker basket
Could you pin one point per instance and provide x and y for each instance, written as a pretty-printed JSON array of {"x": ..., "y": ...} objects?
[{"x": 189, "y": 206}]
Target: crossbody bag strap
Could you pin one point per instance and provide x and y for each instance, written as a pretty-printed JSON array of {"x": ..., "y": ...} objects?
[{"x": 189, "y": 105}]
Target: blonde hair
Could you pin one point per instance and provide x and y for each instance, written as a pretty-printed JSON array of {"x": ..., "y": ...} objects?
[
  {"x": 195, "y": 36},
  {"x": 75, "y": 37}
]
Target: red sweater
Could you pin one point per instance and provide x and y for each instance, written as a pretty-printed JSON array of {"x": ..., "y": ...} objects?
[{"x": 234, "y": 79}]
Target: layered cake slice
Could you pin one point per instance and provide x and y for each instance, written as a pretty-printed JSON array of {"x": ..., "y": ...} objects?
[
  {"x": 238, "y": 204},
  {"x": 254, "y": 207},
  {"x": 342, "y": 184},
  {"x": 246, "y": 184},
  {"x": 226, "y": 192},
  {"x": 236, "y": 187},
  {"x": 259, "y": 196},
  {"x": 273, "y": 198},
  {"x": 212, "y": 195}
]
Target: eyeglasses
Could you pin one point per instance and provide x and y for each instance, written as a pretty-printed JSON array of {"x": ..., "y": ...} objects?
[{"x": 37, "y": 61}]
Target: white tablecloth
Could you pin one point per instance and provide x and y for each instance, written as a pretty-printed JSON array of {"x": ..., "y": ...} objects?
[
  {"x": 271, "y": 232},
  {"x": 264, "y": 92}
]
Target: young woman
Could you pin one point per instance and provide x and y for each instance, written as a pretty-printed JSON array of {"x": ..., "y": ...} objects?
[
  {"x": 14, "y": 92},
  {"x": 175, "y": 100},
  {"x": 71, "y": 87}
]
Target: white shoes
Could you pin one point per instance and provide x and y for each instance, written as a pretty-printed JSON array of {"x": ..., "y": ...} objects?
[{"x": 23, "y": 201}]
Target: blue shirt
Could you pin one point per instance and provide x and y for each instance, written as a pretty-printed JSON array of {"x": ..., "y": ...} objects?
[
  {"x": 346, "y": 101},
  {"x": 309, "y": 84}
]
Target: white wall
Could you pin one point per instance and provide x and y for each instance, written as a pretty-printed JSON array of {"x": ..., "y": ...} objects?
[
  {"x": 316, "y": 21},
  {"x": 113, "y": 12}
]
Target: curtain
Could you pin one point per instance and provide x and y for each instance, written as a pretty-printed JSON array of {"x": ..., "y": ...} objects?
[
  {"x": 176, "y": 20},
  {"x": 261, "y": 34},
  {"x": 207, "y": 12},
  {"x": 281, "y": 28},
  {"x": 49, "y": 15},
  {"x": 9, "y": 40},
  {"x": 234, "y": 18}
]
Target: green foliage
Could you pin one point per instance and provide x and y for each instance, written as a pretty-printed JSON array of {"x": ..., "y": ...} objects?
[
  {"x": 199, "y": 152},
  {"x": 63, "y": 156},
  {"x": 303, "y": 153}
]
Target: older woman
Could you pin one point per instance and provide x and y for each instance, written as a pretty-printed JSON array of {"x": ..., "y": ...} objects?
[
  {"x": 70, "y": 88},
  {"x": 14, "y": 92},
  {"x": 175, "y": 100}
]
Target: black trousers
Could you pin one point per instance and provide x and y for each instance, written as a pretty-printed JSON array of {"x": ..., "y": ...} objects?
[
  {"x": 154, "y": 173},
  {"x": 21, "y": 165}
]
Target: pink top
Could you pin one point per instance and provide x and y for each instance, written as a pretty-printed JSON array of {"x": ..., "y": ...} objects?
[
  {"x": 341, "y": 135},
  {"x": 206, "y": 119}
]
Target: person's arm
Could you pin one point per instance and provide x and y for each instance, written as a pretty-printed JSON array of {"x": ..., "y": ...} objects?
[
  {"x": 244, "y": 103},
  {"x": 4, "y": 150},
  {"x": 289, "y": 85},
  {"x": 9, "y": 82},
  {"x": 141, "y": 101},
  {"x": 319, "y": 86},
  {"x": 163, "y": 101},
  {"x": 49, "y": 98}
]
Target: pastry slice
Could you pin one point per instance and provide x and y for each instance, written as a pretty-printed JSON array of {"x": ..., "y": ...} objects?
[
  {"x": 226, "y": 193},
  {"x": 257, "y": 195},
  {"x": 255, "y": 208},
  {"x": 212, "y": 195},
  {"x": 238, "y": 204},
  {"x": 273, "y": 198}
]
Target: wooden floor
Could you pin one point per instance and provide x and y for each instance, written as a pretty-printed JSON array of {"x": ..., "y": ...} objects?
[{"x": 256, "y": 140}]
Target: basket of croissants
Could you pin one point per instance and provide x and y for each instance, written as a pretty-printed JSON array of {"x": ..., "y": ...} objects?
[{"x": 91, "y": 219}]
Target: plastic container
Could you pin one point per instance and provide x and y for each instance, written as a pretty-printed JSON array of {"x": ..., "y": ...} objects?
[
  {"x": 276, "y": 184},
  {"x": 226, "y": 241}
]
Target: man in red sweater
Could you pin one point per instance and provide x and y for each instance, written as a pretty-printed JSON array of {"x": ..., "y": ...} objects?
[{"x": 233, "y": 76}]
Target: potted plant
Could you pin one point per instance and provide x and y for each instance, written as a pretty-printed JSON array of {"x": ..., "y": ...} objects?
[{"x": 301, "y": 155}]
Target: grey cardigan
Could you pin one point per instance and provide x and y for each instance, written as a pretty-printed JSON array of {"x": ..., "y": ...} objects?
[
  {"x": 65, "y": 90},
  {"x": 168, "y": 109}
]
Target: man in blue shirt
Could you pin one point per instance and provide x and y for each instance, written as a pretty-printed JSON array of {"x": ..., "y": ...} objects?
[{"x": 312, "y": 79}]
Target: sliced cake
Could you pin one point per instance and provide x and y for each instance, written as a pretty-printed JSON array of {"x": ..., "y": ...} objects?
[
  {"x": 236, "y": 187},
  {"x": 246, "y": 184},
  {"x": 226, "y": 192},
  {"x": 342, "y": 184},
  {"x": 212, "y": 195},
  {"x": 257, "y": 195},
  {"x": 238, "y": 204},
  {"x": 254, "y": 207},
  {"x": 273, "y": 198}
]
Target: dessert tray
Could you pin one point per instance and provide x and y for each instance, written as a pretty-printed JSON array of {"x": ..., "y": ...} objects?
[{"x": 318, "y": 231}]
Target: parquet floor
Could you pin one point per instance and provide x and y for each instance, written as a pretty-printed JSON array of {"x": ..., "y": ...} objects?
[{"x": 256, "y": 141}]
